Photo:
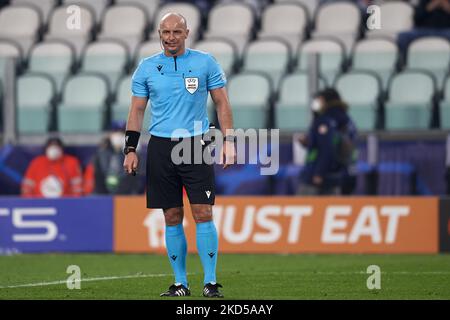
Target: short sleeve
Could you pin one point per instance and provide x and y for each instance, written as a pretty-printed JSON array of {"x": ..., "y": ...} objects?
[
  {"x": 216, "y": 76},
  {"x": 139, "y": 86}
]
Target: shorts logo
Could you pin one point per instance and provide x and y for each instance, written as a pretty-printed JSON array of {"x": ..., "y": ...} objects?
[
  {"x": 208, "y": 193},
  {"x": 191, "y": 84}
]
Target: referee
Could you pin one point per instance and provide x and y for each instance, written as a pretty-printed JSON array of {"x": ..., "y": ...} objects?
[{"x": 177, "y": 81}]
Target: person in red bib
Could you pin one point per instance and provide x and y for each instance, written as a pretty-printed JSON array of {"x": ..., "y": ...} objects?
[{"x": 54, "y": 174}]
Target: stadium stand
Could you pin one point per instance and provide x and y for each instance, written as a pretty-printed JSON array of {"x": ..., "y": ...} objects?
[
  {"x": 45, "y": 7},
  {"x": 150, "y": 6},
  {"x": 222, "y": 50},
  {"x": 310, "y": 5},
  {"x": 9, "y": 49},
  {"x": 35, "y": 97},
  {"x": 20, "y": 24},
  {"x": 444, "y": 105},
  {"x": 83, "y": 106},
  {"x": 78, "y": 36},
  {"x": 55, "y": 58},
  {"x": 250, "y": 94},
  {"x": 292, "y": 27},
  {"x": 410, "y": 100},
  {"x": 98, "y": 7}
]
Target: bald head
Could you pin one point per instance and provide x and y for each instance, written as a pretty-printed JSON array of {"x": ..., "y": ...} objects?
[
  {"x": 173, "y": 18},
  {"x": 173, "y": 32}
]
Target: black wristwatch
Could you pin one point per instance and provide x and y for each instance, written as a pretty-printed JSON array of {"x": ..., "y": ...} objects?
[{"x": 127, "y": 150}]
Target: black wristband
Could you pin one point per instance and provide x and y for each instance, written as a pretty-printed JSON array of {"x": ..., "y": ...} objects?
[{"x": 132, "y": 138}]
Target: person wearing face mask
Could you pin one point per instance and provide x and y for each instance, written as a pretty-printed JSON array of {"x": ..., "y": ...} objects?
[
  {"x": 105, "y": 174},
  {"x": 331, "y": 157},
  {"x": 54, "y": 174}
]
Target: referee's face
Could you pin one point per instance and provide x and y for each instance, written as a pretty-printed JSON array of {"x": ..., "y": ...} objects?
[{"x": 173, "y": 34}]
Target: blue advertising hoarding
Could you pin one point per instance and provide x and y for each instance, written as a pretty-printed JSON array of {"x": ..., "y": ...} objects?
[{"x": 56, "y": 225}]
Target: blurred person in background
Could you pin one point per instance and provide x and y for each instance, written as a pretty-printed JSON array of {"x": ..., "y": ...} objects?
[
  {"x": 431, "y": 18},
  {"x": 54, "y": 174},
  {"x": 330, "y": 167},
  {"x": 105, "y": 174}
]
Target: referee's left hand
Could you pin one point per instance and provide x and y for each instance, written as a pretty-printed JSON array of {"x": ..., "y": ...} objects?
[{"x": 228, "y": 154}]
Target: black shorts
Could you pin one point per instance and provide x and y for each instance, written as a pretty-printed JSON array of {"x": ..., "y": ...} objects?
[{"x": 165, "y": 179}]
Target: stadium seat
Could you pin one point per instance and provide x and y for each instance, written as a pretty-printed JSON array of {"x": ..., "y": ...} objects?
[
  {"x": 108, "y": 57},
  {"x": 331, "y": 57},
  {"x": 44, "y": 6},
  {"x": 187, "y": 10},
  {"x": 9, "y": 48},
  {"x": 96, "y": 6},
  {"x": 410, "y": 99},
  {"x": 147, "y": 49},
  {"x": 83, "y": 105},
  {"x": 310, "y": 5},
  {"x": 150, "y": 6},
  {"x": 291, "y": 27},
  {"x": 431, "y": 54},
  {"x": 121, "y": 106},
  {"x": 53, "y": 57},
  {"x": 444, "y": 106},
  {"x": 376, "y": 55},
  {"x": 292, "y": 111},
  {"x": 340, "y": 20},
  {"x": 361, "y": 91},
  {"x": 35, "y": 94},
  {"x": 222, "y": 50},
  {"x": 77, "y": 37},
  {"x": 269, "y": 56},
  {"x": 232, "y": 21},
  {"x": 250, "y": 95},
  {"x": 20, "y": 24},
  {"x": 130, "y": 30},
  {"x": 396, "y": 16}
]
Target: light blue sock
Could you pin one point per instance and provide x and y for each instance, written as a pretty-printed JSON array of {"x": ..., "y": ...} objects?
[
  {"x": 207, "y": 246},
  {"x": 176, "y": 250}
]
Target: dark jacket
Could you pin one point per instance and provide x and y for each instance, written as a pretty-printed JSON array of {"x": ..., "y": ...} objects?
[{"x": 435, "y": 19}]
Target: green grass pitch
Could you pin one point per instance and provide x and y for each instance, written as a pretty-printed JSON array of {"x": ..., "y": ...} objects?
[{"x": 243, "y": 276}]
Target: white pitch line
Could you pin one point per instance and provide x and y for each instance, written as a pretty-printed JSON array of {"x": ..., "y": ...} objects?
[{"x": 51, "y": 283}]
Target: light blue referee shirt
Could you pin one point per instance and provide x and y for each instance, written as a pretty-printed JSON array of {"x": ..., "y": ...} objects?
[{"x": 177, "y": 88}]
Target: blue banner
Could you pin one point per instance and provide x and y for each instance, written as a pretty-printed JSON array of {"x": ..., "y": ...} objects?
[{"x": 56, "y": 225}]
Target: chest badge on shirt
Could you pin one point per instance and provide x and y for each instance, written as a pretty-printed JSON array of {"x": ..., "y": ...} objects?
[{"x": 191, "y": 84}]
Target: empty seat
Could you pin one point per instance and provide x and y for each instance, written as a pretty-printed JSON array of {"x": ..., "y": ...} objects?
[
  {"x": 121, "y": 106},
  {"x": 130, "y": 30},
  {"x": 410, "y": 98},
  {"x": 310, "y": 5},
  {"x": 63, "y": 29},
  {"x": 268, "y": 56},
  {"x": 44, "y": 6},
  {"x": 20, "y": 24},
  {"x": 396, "y": 16},
  {"x": 340, "y": 20},
  {"x": 444, "y": 106},
  {"x": 331, "y": 57},
  {"x": 361, "y": 91},
  {"x": 9, "y": 49},
  {"x": 284, "y": 20},
  {"x": 232, "y": 21},
  {"x": 150, "y": 6},
  {"x": 54, "y": 58},
  {"x": 83, "y": 105},
  {"x": 35, "y": 94},
  {"x": 376, "y": 55},
  {"x": 147, "y": 49},
  {"x": 96, "y": 6},
  {"x": 431, "y": 54},
  {"x": 187, "y": 10},
  {"x": 250, "y": 95},
  {"x": 106, "y": 57},
  {"x": 222, "y": 50},
  {"x": 292, "y": 111}
]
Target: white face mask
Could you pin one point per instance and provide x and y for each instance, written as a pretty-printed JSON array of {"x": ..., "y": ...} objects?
[
  {"x": 117, "y": 140},
  {"x": 316, "y": 105},
  {"x": 53, "y": 152}
]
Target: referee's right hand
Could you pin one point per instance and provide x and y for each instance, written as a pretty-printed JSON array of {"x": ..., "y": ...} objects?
[{"x": 130, "y": 163}]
